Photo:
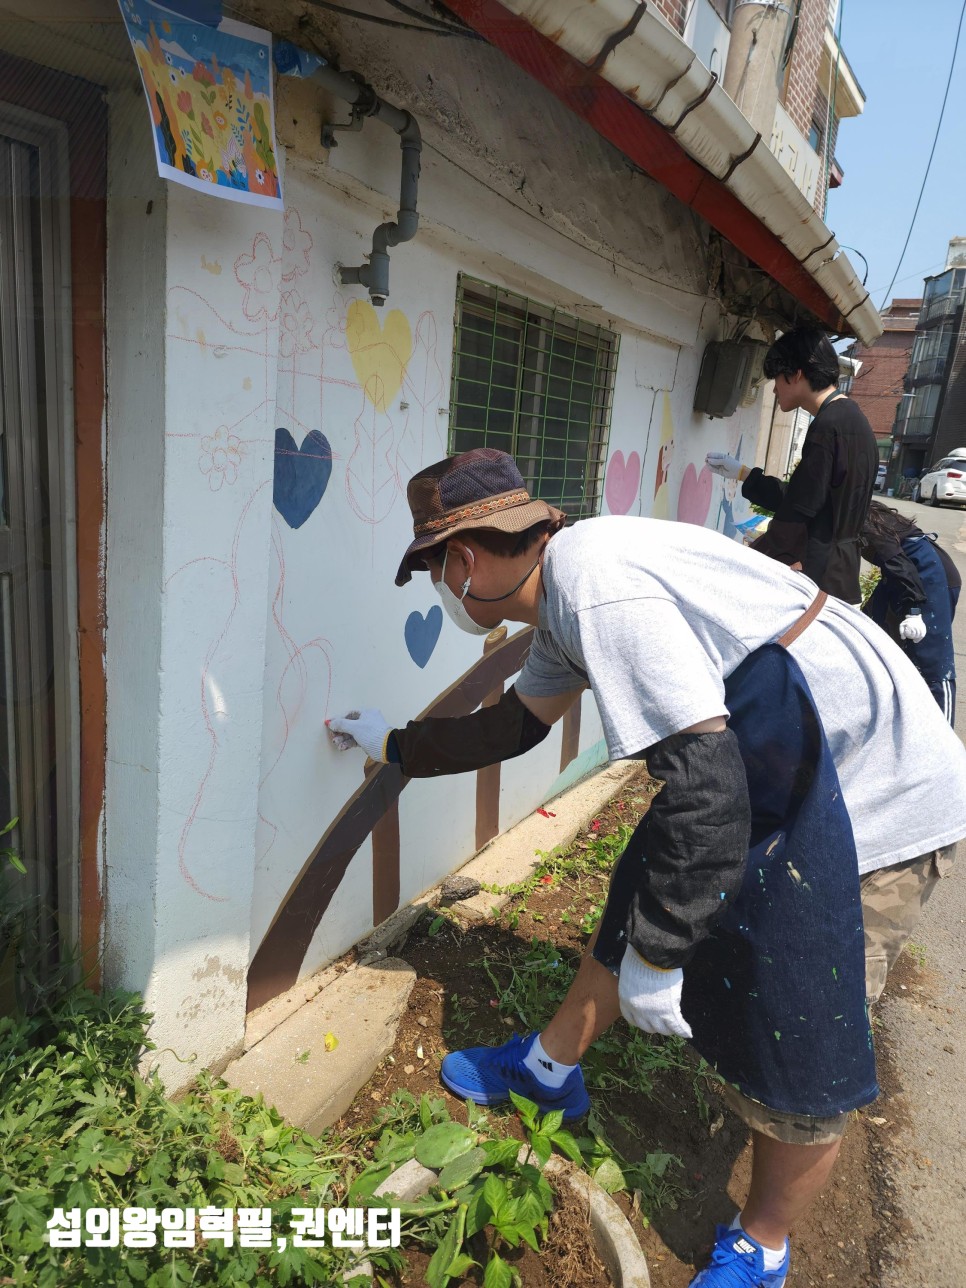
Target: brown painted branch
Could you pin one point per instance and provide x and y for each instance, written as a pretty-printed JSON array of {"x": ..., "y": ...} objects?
[{"x": 276, "y": 964}]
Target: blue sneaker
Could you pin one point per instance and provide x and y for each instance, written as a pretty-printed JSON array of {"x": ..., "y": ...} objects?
[
  {"x": 487, "y": 1075},
  {"x": 739, "y": 1262}
]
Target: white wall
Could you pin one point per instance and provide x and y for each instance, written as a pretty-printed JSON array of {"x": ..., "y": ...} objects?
[
  {"x": 235, "y": 630},
  {"x": 192, "y": 384}
]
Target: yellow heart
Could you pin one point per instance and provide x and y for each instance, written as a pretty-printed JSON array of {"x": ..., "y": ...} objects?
[{"x": 380, "y": 351}]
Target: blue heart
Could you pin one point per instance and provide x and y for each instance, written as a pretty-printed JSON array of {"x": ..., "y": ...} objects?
[
  {"x": 422, "y": 633},
  {"x": 301, "y": 474}
]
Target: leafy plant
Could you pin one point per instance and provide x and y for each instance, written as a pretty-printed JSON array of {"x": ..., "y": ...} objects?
[
  {"x": 487, "y": 1199},
  {"x": 868, "y": 582},
  {"x": 80, "y": 1127}
]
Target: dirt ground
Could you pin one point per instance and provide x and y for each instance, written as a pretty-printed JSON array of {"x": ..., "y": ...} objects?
[{"x": 844, "y": 1240}]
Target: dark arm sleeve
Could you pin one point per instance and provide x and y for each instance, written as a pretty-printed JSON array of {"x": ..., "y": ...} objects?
[
  {"x": 806, "y": 491},
  {"x": 763, "y": 490},
  {"x": 897, "y": 569},
  {"x": 695, "y": 845},
  {"x": 455, "y": 745}
]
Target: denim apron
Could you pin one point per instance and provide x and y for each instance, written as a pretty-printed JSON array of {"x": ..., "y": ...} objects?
[
  {"x": 934, "y": 656},
  {"x": 775, "y": 996}
]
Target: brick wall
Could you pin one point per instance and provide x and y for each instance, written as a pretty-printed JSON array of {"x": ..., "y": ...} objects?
[
  {"x": 878, "y": 386},
  {"x": 806, "y": 56},
  {"x": 674, "y": 11}
]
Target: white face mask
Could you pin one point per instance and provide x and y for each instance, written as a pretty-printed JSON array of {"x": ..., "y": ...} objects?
[{"x": 454, "y": 607}]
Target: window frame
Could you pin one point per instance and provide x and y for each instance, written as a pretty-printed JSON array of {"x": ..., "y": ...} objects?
[{"x": 523, "y": 428}]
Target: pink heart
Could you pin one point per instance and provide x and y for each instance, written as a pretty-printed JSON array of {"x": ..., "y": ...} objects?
[
  {"x": 694, "y": 501},
  {"x": 623, "y": 482}
]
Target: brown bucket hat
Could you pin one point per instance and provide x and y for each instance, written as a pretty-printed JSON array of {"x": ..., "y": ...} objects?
[{"x": 481, "y": 488}]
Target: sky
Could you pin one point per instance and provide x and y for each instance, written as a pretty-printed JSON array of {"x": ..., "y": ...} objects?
[{"x": 900, "y": 53}]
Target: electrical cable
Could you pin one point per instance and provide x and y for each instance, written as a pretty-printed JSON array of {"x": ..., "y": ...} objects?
[
  {"x": 863, "y": 259},
  {"x": 921, "y": 274},
  {"x": 447, "y": 27},
  {"x": 391, "y": 22},
  {"x": 932, "y": 153}
]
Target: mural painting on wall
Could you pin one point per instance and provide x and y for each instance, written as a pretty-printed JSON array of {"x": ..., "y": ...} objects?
[
  {"x": 209, "y": 92},
  {"x": 732, "y": 506},
  {"x": 371, "y": 811},
  {"x": 290, "y": 362},
  {"x": 694, "y": 499},
  {"x": 622, "y": 484},
  {"x": 380, "y": 352}
]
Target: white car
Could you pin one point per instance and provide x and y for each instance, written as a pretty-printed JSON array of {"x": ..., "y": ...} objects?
[
  {"x": 880, "y": 478},
  {"x": 945, "y": 481}
]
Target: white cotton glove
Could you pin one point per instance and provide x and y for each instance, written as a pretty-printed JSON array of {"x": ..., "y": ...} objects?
[
  {"x": 651, "y": 999},
  {"x": 729, "y": 467},
  {"x": 913, "y": 629},
  {"x": 365, "y": 729}
]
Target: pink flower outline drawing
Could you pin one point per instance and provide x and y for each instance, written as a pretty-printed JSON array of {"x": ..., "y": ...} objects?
[
  {"x": 335, "y": 323},
  {"x": 296, "y": 244},
  {"x": 295, "y": 325},
  {"x": 260, "y": 275},
  {"x": 221, "y": 456}
]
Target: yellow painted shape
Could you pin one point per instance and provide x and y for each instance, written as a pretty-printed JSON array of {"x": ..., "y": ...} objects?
[
  {"x": 212, "y": 267},
  {"x": 380, "y": 351}
]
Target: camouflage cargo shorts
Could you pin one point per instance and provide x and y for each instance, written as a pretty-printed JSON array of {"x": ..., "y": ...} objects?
[{"x": 892, "y": 901}]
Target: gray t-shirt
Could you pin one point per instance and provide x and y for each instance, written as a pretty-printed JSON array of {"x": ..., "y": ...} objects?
[{"x": 656, "y": 615}]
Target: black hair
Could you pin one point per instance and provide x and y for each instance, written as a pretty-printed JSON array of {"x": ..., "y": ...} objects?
[
  {"x": 504, "y": 544},
  {"x": 509, "y": 544},
  {"x": 806, "y": 349},
  {"x": 886, "y": 521}
]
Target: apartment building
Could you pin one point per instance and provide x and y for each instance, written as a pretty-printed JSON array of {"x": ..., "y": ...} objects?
[{"x": 930, "y": 420}]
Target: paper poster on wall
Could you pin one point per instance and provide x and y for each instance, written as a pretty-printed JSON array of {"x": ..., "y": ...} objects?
[{"x": 209, "y": 91}]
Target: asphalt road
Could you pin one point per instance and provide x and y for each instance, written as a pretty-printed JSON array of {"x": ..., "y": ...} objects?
[{"x": 925, "y": 1027}]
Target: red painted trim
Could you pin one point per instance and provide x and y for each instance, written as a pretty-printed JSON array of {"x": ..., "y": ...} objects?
[{"x": 650, "y": 146}]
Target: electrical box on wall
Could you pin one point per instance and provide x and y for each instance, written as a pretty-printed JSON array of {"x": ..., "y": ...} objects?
[{"x": 728, "y": 369}]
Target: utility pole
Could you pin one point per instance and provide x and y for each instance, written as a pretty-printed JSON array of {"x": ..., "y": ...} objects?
[{"x": 759, "y": 31}]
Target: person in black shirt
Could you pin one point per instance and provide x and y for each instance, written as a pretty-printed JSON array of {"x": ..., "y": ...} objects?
[
  {"x": 915, "y": 600},
  {"x": 820, "y": 510}
]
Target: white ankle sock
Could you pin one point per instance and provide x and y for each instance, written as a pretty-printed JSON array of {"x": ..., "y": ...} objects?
[
  {"x": 551, "y": 1073},
  {"x": 773, "y": 1257}
]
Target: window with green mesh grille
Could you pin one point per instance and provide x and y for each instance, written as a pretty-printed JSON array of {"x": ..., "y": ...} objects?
[{"x": 537, "y": 383}]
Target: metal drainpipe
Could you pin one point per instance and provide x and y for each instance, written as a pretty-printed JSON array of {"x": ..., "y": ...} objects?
[{"x": 365, "y": 102}]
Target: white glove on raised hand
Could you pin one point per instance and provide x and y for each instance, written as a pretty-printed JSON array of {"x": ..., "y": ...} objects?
[
  {"x": 651, "y": 999},
  {"x": 913, "y": 629},
  {"x": 729, "y": 467},
  {"x": 365, "y": 729}
]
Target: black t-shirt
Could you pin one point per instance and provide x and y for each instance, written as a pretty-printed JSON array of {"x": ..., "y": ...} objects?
[{"x": 820, "y": 511}]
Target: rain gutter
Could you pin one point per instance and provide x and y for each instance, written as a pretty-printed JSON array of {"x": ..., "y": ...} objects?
[{"x": 621, "y": 68}]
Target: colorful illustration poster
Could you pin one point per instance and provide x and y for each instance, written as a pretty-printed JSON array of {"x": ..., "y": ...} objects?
[{"x": 209, "y": 91}]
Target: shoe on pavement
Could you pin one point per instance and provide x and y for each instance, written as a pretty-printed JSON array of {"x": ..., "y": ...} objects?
[
  {"x": 487, "y": 1075},
  {"x": 739, "y": 1262}
]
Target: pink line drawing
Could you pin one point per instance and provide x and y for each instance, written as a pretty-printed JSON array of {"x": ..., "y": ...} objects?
[
  {"x": 210, "y": 729},
  {"x": 296, "y": 659},
  {"x": 370, "y": 480},
  {"x": 423, "y": 383}
]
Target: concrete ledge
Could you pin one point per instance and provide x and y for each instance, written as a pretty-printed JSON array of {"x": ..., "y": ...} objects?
[
  {"x": 513, "y": 855},
  {"x": 361, "y": 1004},
  {"x": 361, "y": 1009}
]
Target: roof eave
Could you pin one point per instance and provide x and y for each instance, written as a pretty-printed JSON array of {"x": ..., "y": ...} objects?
[{"x": 635, "y": 81}]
